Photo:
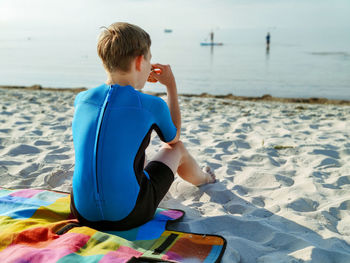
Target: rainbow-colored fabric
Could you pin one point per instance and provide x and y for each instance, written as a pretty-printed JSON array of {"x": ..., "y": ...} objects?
[{"x": 37, "y": 226}]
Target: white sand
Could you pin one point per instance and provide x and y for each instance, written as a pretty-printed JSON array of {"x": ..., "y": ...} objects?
[{"x": 271, "y": 205}]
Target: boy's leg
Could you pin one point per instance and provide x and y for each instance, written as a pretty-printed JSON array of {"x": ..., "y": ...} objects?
[{"x": 179, "y": 160}]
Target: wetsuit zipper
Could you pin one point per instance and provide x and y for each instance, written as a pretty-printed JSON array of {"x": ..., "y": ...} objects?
[{"x": 100, "y": 121}]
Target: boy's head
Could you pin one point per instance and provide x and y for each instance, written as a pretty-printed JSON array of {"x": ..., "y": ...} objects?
[{"x": 120, "y": 43}]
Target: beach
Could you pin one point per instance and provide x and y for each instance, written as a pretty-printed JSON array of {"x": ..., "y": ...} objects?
[{"x": 283, "y": 168}]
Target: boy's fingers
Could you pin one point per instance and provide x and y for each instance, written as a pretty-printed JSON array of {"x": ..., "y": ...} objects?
[
  {"x": 154, "y": 75},
  {"x": 159, "y": 66},
  {"x": 151, "y": 78}
]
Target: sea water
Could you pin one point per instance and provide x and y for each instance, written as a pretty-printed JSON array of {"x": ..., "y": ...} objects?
[{"x": 300, "y": 63}]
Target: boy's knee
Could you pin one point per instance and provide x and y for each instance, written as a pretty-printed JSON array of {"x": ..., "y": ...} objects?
[
  {"x": 179, "y": 143},
  {"x": 178, "y": 146}
]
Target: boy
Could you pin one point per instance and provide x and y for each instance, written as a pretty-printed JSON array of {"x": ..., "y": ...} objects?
[{"x": 112, "y": 125}]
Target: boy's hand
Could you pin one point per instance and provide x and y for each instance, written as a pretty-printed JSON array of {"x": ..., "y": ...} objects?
[
  {"x": 164, "y": 76},
  {"x": 152, "y": 79}
]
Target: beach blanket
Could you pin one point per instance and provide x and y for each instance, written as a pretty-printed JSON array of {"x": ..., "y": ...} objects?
[{"x": 37, "y": 226}]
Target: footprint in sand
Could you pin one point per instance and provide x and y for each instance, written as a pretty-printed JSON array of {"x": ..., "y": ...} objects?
[
  {"x": 3, "y": 169},
  {"x": 203, "y": 127},
  {"x": 6, "y": 163},
  {"x": 285, "y": 181},
  {"x": 334, "y": 212},
  {"x": 242, "y": 136},
  {"x": 57, "y": 177},
  {"x": 42, "y": 143},
  {"x": 220, "y": 196},
  {"x": 23, "y": 149},
  {"x": 235, "y": 165},
  {"x": 195, "y": 131},
  {"x": 329, "y": 153},
  {"x": 59, "y": 127},
  {"x": 209, "y": 150},
  {"x": 195, "y": 141},
  {"x": 337, "y": 211},
  {"x": 225, "y": 125},
  {"x": 343, "y": 180},
  {"x": 231, "y": 171},
  {"x": 218, "y": 156},
  {"x": 303, "y": 205},
  {"x": 29, "y": 169},
  {"x": 62, "y": 119},
  {"x": 242, "y": 144},
  {"x": 214, "y": 166},
  {"x": 254, "y": 158},
  {"x": 241, "y": 190},
  {"x": 37, "y": 132},
  {"x": 61, "y": 150},
  {"x": 7, "y": 113},
  {"x": 258, "y": 201},
  {"x": 322, "y": 175},
  {"x": 22, "y": 122},
  {"x": 5, "y": 130},
  {"x": 345, "y": 205},
  {"x": 305, "y": 118},
  {"x": 329, "y": 162},
  {"x": 224, "y": 145},
  {"x": 262, "y": 213},
  {"x": 236, "y": 209},
  {"x": 28, "y": 118},
  {"x": 55, "y": 158},
  {"x": 279, "y": 242}
]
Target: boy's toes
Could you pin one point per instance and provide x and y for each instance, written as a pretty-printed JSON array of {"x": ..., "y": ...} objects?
[{"x": 211, "y": 178}]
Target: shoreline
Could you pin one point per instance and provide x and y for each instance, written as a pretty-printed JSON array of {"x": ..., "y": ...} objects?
[{"x": 264, "y": 98}]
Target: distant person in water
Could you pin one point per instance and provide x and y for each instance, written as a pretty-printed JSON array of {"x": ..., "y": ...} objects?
[
  {"x": 212, "y": 37},
  {"x": 268, "y": 41}
]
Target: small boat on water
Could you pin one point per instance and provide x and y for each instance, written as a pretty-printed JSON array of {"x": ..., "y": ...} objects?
[
  {"x": 167, "y": 30},
  {"x": 212, "y": 43}
]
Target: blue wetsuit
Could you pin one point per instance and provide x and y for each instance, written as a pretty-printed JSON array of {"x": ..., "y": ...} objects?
[{"x": 111, "y": 127}]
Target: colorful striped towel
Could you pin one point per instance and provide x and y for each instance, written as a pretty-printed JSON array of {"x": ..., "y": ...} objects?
[{"x": 37, "y": 226}]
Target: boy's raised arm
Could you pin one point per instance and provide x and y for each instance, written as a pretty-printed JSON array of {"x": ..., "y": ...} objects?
[{"x": 167, "y": 78}]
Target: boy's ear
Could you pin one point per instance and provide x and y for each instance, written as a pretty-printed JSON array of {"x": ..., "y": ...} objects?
[{"x": 138, "y": 62}]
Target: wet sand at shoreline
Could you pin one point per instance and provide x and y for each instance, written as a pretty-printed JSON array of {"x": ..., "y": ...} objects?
[{"x": 266, "y": 98}]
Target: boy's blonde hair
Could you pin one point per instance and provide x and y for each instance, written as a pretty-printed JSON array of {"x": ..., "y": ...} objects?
[{"x": 120, "y": 43}]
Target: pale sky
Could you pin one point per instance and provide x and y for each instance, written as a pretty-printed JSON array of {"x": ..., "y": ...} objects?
[{"x": 178, "y": 14}]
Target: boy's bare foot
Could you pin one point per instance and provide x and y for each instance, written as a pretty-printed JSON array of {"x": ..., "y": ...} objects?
[{"x": 209, "y": 176}]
